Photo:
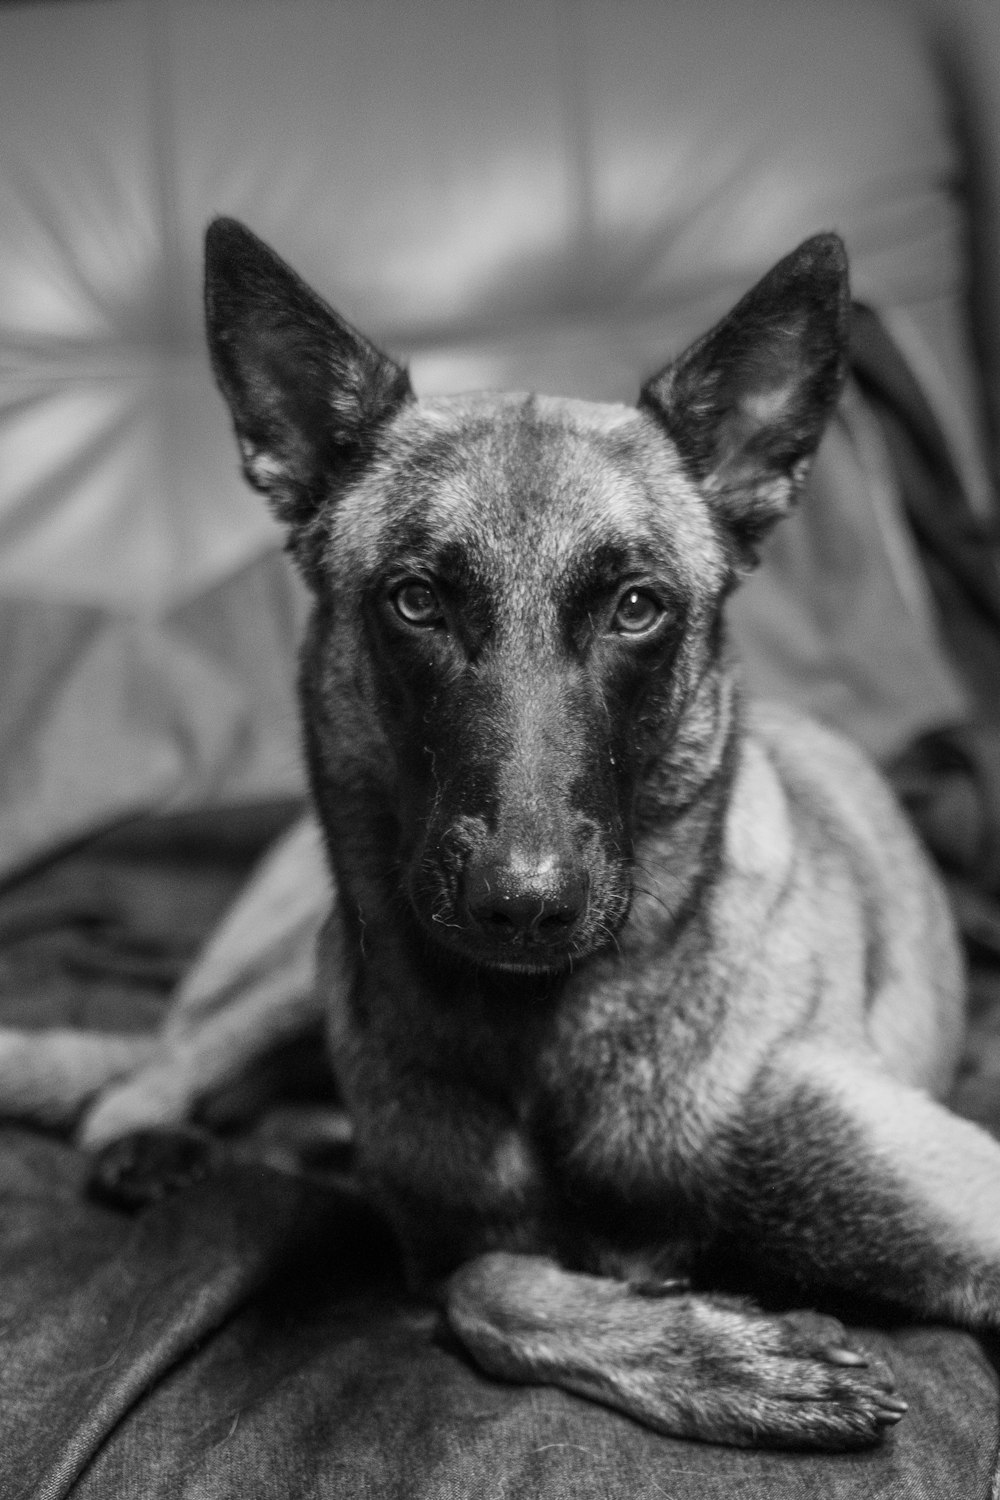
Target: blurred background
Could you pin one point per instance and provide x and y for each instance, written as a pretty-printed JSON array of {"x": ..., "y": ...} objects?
[{"x": 553, "y": 195}]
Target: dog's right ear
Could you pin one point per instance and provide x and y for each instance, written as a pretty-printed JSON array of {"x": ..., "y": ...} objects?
[{"x": 307, "y": 392}]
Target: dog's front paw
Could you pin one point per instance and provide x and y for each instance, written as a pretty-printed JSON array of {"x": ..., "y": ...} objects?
[
  {"x": 791, "y": 1381},
  {"x": 687, "y": 1365},
  {"x": 147, "y": 1165}
]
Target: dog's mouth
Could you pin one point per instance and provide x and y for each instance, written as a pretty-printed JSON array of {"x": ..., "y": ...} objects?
[{"x": 509, "y": 953}]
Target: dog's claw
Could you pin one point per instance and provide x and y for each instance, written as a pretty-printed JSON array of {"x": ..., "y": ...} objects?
[
  {"x": 669, "y": 1286},
  {"x": 839, "y": 1354}
]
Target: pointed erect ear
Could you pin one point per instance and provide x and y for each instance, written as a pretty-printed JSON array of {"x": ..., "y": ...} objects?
[
  {"x": 307, "y": 392},
  {"x": 746, "y": 405}
]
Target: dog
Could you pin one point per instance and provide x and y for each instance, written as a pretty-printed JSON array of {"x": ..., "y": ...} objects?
[{"x": 641, "y": 996}]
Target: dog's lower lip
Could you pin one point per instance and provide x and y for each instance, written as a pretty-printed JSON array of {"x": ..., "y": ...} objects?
[
  {"x": 511, "y": 964},
  {"x": 504, "y": 956},
  {"x": 514, "y": 957}
]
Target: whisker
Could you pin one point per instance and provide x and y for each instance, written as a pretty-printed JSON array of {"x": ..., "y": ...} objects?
[{"x": 642, "y": 890}]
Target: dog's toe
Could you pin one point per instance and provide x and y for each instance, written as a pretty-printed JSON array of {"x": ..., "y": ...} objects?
[
  {"x": 810, "y": 1387},
  {"x": 816, "y": 1336},
  {"x": 847, "y": 1414},
  {"x": 148, "y": 1165}
]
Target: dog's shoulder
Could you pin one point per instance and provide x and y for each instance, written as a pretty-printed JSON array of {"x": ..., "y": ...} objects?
[
  {"x": 853, "y": 849},
  {"x": 827, "y": 776},
  {"x": 838, "y": 803}
]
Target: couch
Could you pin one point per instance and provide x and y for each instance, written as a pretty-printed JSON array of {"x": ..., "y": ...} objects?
[{"x": 549, "y": 195}]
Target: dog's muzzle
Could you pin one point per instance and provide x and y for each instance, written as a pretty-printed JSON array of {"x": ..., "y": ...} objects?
[{"x": 513, "y": 905}]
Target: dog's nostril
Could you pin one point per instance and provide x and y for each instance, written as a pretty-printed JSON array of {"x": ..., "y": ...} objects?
[
  {"x": 491, "y": 910},
  {"x": 498, "y": 920},
  {"x": 555, "y": 920}
]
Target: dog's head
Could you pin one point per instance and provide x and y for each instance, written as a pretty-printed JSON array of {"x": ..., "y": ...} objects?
[{"x": 518, "y": 597}]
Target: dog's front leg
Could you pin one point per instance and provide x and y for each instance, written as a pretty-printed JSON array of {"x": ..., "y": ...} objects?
[
  {"x": 837, "y": 1175},
  {"x": 832, "y": 1176},
  {"x": 687, "y": 1365}
]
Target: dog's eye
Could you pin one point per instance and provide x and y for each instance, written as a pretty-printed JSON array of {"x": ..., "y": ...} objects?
[
  {"x": 636, "y": 612},
  {"x": 416, "y": 603}
]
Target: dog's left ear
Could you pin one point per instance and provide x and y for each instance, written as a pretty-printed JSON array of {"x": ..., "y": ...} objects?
[
  {"x": 746, "y": 404},
  {"x": 307, "y": 392}
]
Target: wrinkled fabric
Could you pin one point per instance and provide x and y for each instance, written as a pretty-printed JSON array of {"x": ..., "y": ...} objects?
[
  {"x": 250, "y": 1337},
  {"x": 107, "y": 716}
]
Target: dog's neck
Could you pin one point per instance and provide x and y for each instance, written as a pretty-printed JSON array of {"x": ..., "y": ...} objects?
[{"x": 686, "y": 770}]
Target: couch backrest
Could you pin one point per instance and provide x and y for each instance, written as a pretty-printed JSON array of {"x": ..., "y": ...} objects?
[{"x": 545, "y": 193}]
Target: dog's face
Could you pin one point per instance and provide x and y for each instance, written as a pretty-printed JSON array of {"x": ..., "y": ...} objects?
[
  {"x": 523, "y": 592},
  {"x": 534, "y": 581}
]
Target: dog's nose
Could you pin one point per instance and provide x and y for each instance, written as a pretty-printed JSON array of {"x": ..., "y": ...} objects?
[{"x": 520, "y": 902}]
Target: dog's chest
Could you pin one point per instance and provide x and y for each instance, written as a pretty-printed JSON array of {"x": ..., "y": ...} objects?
[
  {"x": 584, "y": 1142},
  {"x": 621, "y": 1116},
  {"x": 617, "y": 1090}
]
